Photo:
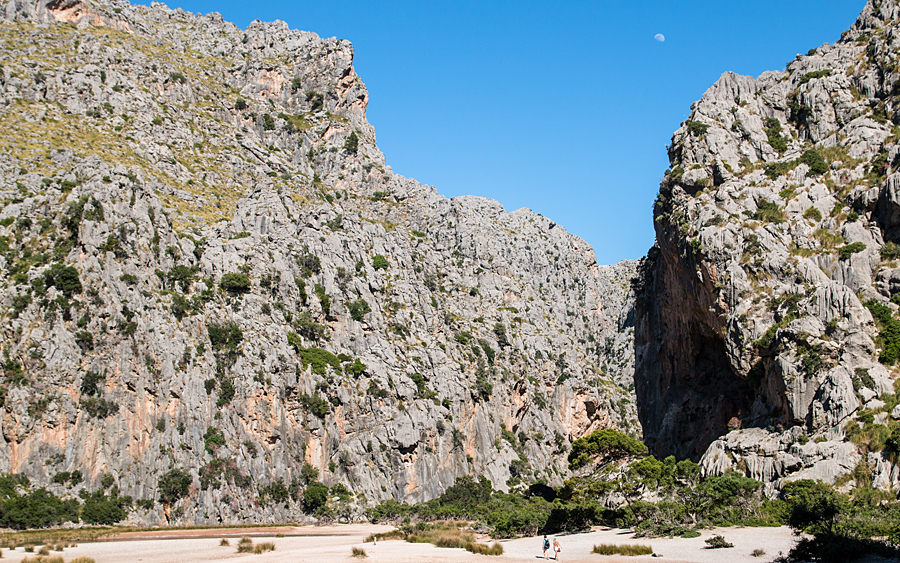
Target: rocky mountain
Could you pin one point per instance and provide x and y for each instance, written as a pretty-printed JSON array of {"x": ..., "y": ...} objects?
[
  {"x": 766, "y": 332},
  {"x": 207, "y": 267}
]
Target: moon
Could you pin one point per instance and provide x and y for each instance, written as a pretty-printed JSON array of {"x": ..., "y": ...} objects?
[{"x": 660, "y": 37}]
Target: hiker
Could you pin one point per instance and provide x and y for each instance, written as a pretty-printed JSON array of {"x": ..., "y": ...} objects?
[
  {"x": 546, "y": 546},
  {"x": 556, "y": 548}
]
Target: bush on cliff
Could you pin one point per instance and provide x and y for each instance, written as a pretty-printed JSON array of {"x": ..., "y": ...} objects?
[{"x": 174, "y": 485}]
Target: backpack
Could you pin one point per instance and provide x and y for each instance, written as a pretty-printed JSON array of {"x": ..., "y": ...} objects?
[{"x": 546, "y": 544}]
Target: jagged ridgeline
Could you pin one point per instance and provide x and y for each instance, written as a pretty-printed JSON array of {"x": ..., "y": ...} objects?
[
  {"x": 767, "y": 338},
  {"x": 215, "y": 292}
]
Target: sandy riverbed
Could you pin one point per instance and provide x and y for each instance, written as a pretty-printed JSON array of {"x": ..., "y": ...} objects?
[{"x": 334, "y": 543}]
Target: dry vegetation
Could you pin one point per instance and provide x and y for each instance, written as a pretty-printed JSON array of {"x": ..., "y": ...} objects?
[
  {"x": 446, "y": 534},
  {"x": 625, "y": 549}
]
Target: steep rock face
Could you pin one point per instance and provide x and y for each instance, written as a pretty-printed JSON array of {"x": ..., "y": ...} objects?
[
  {"x": 771, "y": 228},
  {"x": 208, "y": 266}
]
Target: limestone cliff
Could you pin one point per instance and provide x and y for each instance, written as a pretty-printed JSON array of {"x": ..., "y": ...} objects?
[
  {"x": 756, "y": 347},
  {"x": 207, "y": 265}
]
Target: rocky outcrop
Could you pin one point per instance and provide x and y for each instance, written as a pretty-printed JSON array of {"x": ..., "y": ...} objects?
[
  {"x": 754, "y": 324},
  {"x": 208, "y": 266}
]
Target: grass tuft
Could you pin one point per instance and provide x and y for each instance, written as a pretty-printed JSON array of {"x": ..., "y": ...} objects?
[
  {"x": 245, "y": 545},
  {"x": 263, "y": 547},
  {"x": 443, "y": 534},
  {"x": 624, "y": 549},
  {"x": 358, "y": 553}
]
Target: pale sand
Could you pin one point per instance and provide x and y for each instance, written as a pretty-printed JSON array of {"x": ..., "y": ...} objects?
[{"x": 333, "y": 543}]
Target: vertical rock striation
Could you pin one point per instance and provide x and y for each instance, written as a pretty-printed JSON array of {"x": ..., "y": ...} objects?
[
  {"x": 207, "y": 266},
  {"x": 776, "y": 229}
]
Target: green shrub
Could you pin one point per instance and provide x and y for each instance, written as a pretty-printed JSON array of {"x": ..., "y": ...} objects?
[
  {"x": 318, "y": 358},
  {"x": 768, "y": 212},
  {"x": 811, "y": 359},
  {"x": 814, "y": 160},
  {"x": 308, "y": 328},
  {"x": 773, "y": 132},
  {"x": 324, "y": 299},
  {"x": 276, "y": 491},
  {"x": 91, "y": 382},
  {"x": 697, "y": 128},
  {"x": 19, "y": 304},
  {"x": 813, "y": 214},
  {"x": 103, "y": 510},
  {"x": 212, "y": 439},
  {"x": 776, "y": 169},
  {"x": 315, "y": 405},
  {"x": 603, "y": 446},
  {"x": 309, "y": 263},
  {"x": 226, "y": 391},
  {"x": 717, "y": 542},
  {"x": 224, "y": 336},
  {"x": 63, "y": 278},
  {"x": 99, "y": 407},
  {"x": 357, "y": 368},
  {"x": 358, "y": 309},
  {"x": 235, "y": 283},
  {"x": 483, "y": 388},
  {"x": 813, "y": 506},
  {"x": 308, "y": 473},
  {"x": 180, "y": 306},
  {"x": 173, "y": 486},
  {"x": 351, "y": 145},
  {"x": 127, "y": 328},
  {"x": 268, "y": 122},
  {"x": 846, "y": 251},
  {"x": 500, "y": 333},
  {"x": 294, "y": 123},
  {"x": 240, "y": 104},
  {"x": 314, "y": 497},
  {"x": 488, "y": 351},
  {"x": 815, "y": 74},
  {"x": 84, "y": 340},
  {"x": 315, "y": 100},
  {"x": 379, "y": 262}
]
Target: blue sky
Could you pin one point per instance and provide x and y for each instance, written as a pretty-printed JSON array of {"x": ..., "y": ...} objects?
[{"x": 565, "y": 107}]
